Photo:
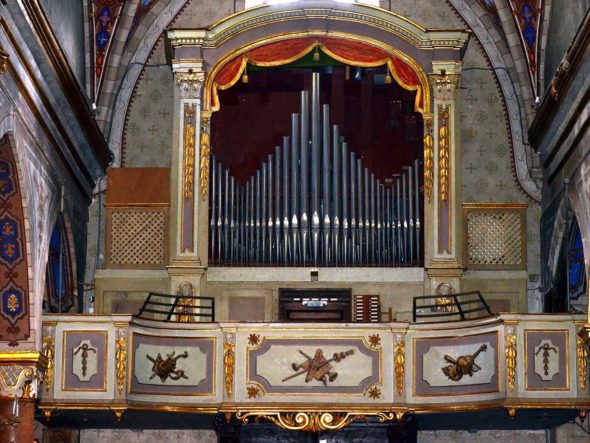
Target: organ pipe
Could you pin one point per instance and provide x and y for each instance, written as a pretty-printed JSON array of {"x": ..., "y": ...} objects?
[
  {"x": 277, "y": 203},
  {"x": 295, "y": 146},
  {"x": 314, "y": 201}
]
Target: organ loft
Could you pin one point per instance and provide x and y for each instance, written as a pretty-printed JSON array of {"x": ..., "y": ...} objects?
[{"x": 305, "y": 220}]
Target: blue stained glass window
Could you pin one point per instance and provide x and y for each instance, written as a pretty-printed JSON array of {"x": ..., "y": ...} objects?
[
  {"x": 58, "y": 279},
  {"x": 577, "y": 268}
]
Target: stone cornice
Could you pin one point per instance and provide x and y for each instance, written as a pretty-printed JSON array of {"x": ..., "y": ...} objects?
[{"x": 451, "y": 39}]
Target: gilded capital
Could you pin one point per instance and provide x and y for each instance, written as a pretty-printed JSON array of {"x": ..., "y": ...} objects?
[
  {"x": 444, "y": 85},
  {"x": 190, "y": 84}
]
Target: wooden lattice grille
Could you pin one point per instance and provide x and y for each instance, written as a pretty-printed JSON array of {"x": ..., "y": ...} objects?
[
  {"x": 137, "y": 238},
  {"x": 496, "y": 238}
]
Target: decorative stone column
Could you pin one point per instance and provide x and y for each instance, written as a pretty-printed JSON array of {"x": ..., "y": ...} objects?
[
  {"x": 442, "y": 165},
  {"x": 21, "y": 374},
  {"x": 189, "y": 177}
]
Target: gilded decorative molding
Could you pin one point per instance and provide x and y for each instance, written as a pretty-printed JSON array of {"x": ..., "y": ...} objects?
[
  {"x": 118, "y": 413},
  {"x": 399, "y": 361},
  {"x": 511, "y": 413},
  {"x": 229, "y": 361},
  {"x": 444, "y": 85},
  {"x": 374, "y": 341},
  {"x": 314, "y": 421},
  {"x": 253, "y": 391},
  {"x": 510, "y": 352},
  {"x": 443, "y": 151},
  {"x": 445, "y": 301},
  {"x": 48, "y": 349},
  {"x": 189, "y": 149},
  {"x": 254, "y": 340},
  {"x": 21, "y": 377},
  {"x": 428, "y": 157},
  {"x": 3, "y": 60},
  {"x": 375, "y": 17},
  {"x": 374, "y": 392},
  {"x": 582, "y": 356},
  {"x": 205, "y": 154},
  {"x": 185, "y": 308},
  {"x": 190, "y": 84},
  {"x": 121, "y": 358}
]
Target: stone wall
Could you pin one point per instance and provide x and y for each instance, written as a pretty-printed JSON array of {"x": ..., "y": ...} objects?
[{"x": 67, "y": 20}]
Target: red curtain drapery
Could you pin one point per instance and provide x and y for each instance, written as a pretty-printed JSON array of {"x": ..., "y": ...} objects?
[{"x": 350, "y": 52}]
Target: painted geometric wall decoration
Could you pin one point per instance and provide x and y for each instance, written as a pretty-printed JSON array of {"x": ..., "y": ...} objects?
[
  {"x": 105, "y": 18},
  {"x": 456, "y": 365},
  {"x": 59, "y": 283},
  {"x": 14, "y": 281},
  {"x": 528, "y": 17},
  {"x": 85, "y": 359},
  {"x": 546, "y": 360}
]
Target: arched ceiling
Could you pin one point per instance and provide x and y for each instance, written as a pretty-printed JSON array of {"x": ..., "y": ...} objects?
[{"x": 143, "y": 21}]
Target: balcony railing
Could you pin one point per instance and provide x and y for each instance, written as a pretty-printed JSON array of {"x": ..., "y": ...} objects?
[
  {"x": 450, "y": 307},
  {"x": 177, "y": 308}
]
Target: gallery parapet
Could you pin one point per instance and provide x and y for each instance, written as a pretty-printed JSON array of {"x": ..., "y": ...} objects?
[{"x": 506, "y": 360}]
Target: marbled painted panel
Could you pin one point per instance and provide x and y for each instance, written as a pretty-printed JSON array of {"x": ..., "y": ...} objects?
[{"x": 147, "y": 435}]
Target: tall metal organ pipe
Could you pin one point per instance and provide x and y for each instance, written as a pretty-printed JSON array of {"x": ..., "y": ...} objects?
[{"x": 313, "y": 201}]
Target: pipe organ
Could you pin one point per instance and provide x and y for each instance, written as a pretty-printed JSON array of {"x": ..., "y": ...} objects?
[{"x": 313, "y": 202}]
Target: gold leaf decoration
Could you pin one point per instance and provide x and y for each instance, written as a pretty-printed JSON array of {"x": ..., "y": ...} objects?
[
  {"x": 48, "y": 349},
  {"x": 253, "y": 339},
  {"x": 428, "y": 158},
  {"x": 582, "y": 355},
  {"x": 229, "y": 361},
  {"x": 314, "y": 421},
  {"x": 121, "y": 358},
  {"x": 205, "y": 154},
  {"x": 253, "y": 391},
  {"x": 399, "y": 361},
  {"x": 374, "y": 392},
  {"x": 189, "y": 149},
  {"x": 374, "y": 341},
  {"x": 443, "y": 152},
  {"x": 510, "y": 342}
]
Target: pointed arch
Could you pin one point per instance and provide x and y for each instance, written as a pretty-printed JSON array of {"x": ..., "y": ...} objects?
[
  {"x": 15, "y": 307},
  {"x": 60, "y": 287}
]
